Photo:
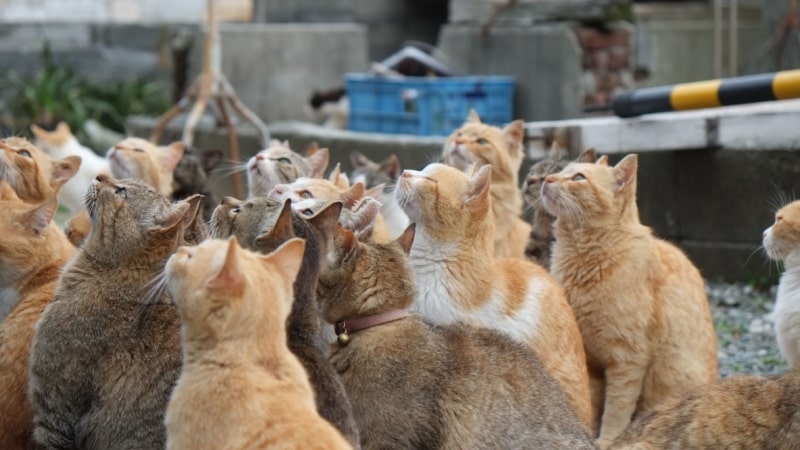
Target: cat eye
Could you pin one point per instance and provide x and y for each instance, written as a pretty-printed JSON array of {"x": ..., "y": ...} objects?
[
  {"x": 121, "y": 190},
  {"x": 482, "y": 141},
  {"x": 578, "y": 177},
  {"x": 24, "y": 153},
  {"x": 306, "y": 194},
  {"x": 236, "y": 210},
  {"x": 308, "y": 212},
  {"x": 284, "y": 160},
  {"x": 138, "y": 150}
]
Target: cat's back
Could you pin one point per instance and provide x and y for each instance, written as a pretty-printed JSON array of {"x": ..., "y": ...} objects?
[{"x": 741, "y": 412}]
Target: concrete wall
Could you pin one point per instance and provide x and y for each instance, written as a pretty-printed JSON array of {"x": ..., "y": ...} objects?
[{"x": 119, "y": 11}]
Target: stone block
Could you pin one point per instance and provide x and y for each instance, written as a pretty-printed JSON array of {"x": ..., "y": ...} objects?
[
  {"x": 275, "y": 67},
  {"x": 544, "y": 59}
]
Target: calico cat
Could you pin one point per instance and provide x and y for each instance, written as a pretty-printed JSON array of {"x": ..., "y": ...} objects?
[
  {"x": 329, "y": 107},
  {"x": 478, "y": 143},
  {"x": 61, "y": 143},
  {"x": 191, "y": 177},
  {"x": 385, "y": 173},
  {"x": 737, "y": 413},
  {"x": 106, "y": 352},
  {"x": 320, "y": 189},
  {"x": 450, "y": 387},
  {"x": 782, "y": 243},
  {"x": 32, "y": 251},
  {"x": 33, "y": 175},
  {"x": 262, "y": 224},
  {"x": 240, "y": 386},
  {"x": 460, "y": 280},
  {"x": 278, "y": 164},
  {"x": 138, "y": 158},
  {"x": 541, "y": 238},
  {"x": 639, "y": 302}
]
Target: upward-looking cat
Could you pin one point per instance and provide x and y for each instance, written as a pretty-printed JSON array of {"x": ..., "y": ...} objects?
[
  {"x": 262, "y": 224},
  {"x": 385, "y": 173},
  {"x": 61, "y": 143},
  {"x": 737, "y": 413},
  {"x": 138, "y": 158},
  {"x": 106, "y": 353},
  {"x": 33, "y": 175},
  {"x": 639, "y": 302},
  {"x": 191, "y": 177},
  {"x": 437, "y": 387},
  {"x": 240, "y": 386},
  {"x": 278, "y": 164},
  {"x": 782, "y": 243},
  {"x": 32, "y": 251},
  {"x": 476, "y": 142},
  {"x": 459, "y": 278},
  {"x": 541, "y": 238}
]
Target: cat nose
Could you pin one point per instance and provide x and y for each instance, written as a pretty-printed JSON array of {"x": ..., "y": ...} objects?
[
  {"x": 259, "y": 157},
  {"x": 101, "y": 178},
  {"x": 278, "y": 190},
  {"x": 549, "y": 179}
]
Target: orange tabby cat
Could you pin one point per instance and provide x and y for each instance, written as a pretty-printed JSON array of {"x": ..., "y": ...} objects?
[
  {"x": 476, "y": 142},
  {"x": 460, "y": 280},
  {"x": 639, "y": 302},
  {"x": 137, "y": 158},
  {"x": 33, "y": 175},
  {"x": 240, "y": 387},
  {"x": 738, "y": 413},
  {"x": 32, "y": 251}
]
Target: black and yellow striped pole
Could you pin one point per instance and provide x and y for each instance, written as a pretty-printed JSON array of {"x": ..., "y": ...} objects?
[{"x": 708, "y": 94}]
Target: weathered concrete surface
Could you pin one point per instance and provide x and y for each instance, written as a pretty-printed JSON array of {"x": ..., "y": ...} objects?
[
  {"x": 275, "y": 67},
  {"x": 545, "y": 61},
  {"x": 530, "y": 11}
]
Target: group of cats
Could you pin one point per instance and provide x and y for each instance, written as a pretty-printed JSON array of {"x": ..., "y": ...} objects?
[{"x": 384, "y": 309}]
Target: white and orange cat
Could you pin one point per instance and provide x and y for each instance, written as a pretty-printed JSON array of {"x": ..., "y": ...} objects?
[
  {"x": 782, "y": 243},
  {"x": 502, "y": 148},
  {"x": 61, "y": 143},
  {"x": 459, "y": 278},
  {"x": 32, "y": 174},
  {"x": 279, "y": 164},
  {"x": 639, "y": 302},
  {"x": 138, "y": 158},
  {"x": 240, "y": 386}
]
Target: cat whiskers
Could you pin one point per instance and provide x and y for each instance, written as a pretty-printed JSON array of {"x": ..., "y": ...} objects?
[
  {"x": 230, "y": 167},
  {"x": 157, "y": 288}
]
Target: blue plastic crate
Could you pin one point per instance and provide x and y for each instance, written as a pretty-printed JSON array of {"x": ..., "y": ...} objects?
[{"x": 426, "y": 106}]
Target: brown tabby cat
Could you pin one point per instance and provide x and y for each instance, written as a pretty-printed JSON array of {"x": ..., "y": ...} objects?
[
  {"x": 262, "y": 224},
  {"x": 540, "y": 241},
  {"x": 738, "y": 413},
  {"x": 138, "y": 158},
  {"x": 417, "y": 385},
  {"x": 240, "y": 386},
  {"x": 478, "y": 143},
  {"x": 460, "y": 280},
  {"x": 278, "y": 164},
  {"x": 33, "y": 175},
  {"x": 32, "y": 251},
  {"x": 639, "y": 302},
  {"x": 106, "y": 352}
]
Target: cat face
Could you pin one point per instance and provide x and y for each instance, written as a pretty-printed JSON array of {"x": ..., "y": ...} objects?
[
  {"x": 532, "y": 186},
  {"x": 584, "y": 192},
  {"x": 783, "y": 237},
  {"x": 223, "y": 291},
  {"x": 244, "y": 219},
  {"x": 31, "y": 173},
  {"x": 278, "y": 164},
  {"x": 478, "y": 143},
  {"x": 191, "y": 173},
  {"x": 319, "y": 189},
  {"x": 445, "y": 201},
  {"x": 371, "y": 173},
  {"x": 52, "y": 141},
  {"x": 138, "y": 158}
]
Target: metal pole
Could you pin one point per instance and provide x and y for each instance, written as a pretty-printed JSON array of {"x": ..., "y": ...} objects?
[
  {"x": 717, "y": 38},
  {"x": 733, "y": 38}
]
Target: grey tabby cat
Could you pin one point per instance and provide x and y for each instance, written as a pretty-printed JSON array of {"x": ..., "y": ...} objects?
[
  {"x": 447, "y": 387},
  {"x": 278, "y": 164},
  {"x": 107, "y": 352},
  {"x": 371, "y": 173},
  {"x": 262, "y": 224},
  {"x": 191, "y": 177},
  {"x": 540, "y": 241}
]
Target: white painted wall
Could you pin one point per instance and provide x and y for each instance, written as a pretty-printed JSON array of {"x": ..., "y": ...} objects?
[{"x": 120, "y": 11}]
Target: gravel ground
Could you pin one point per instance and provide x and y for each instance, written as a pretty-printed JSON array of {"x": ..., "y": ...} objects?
[{"x": 745, "y": 330}]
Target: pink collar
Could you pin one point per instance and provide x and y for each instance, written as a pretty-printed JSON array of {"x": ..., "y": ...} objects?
[{"x": 344, "y": 327}]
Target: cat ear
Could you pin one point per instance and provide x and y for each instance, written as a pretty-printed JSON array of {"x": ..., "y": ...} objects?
[
  {"x": 38, "y": 132},
  {"x": 587, "y": 156},
  {"x": 391, "y": 167},
  {"x": 375, "y": 192},
  {"x": 478, "y": 190},
  {"x": 352, "y": 195},
  {"x": 357, "y": 159},
  {"x": 211, "y": 159},
  {"x": 473, "y": 117},
  {"x": 345, "y": 242},
  {"x": 365, "y": 217},
  {"x": 515, "y": 133},
  {"x": 177, "y": 219},
  {"x": 287, "y": 258},
  {"x": 194, "y": 202},
  {"x": 325, "y": 221},
  {"x": 312, "y": 148},
  {"x": 64, "y": 169},
  {"x": 171, "y": 155},
  {"x": 406, "y": 240},
  {"x": 339, "y": 179},
  {"x": 285, "y": 143},
  {"x": 556, "y": 150},
  {"x": 7, "y": 192},
  {"x": 603, "y": 161},
  {"x": 63, "y": 127},
  {"x": 282, "y": 231},
  {"x": 38, "y": 218},
  {"x": 625, "y": 171},
  {"x": 229, "y": 277},
  {"x": 318, "y": 162}
]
